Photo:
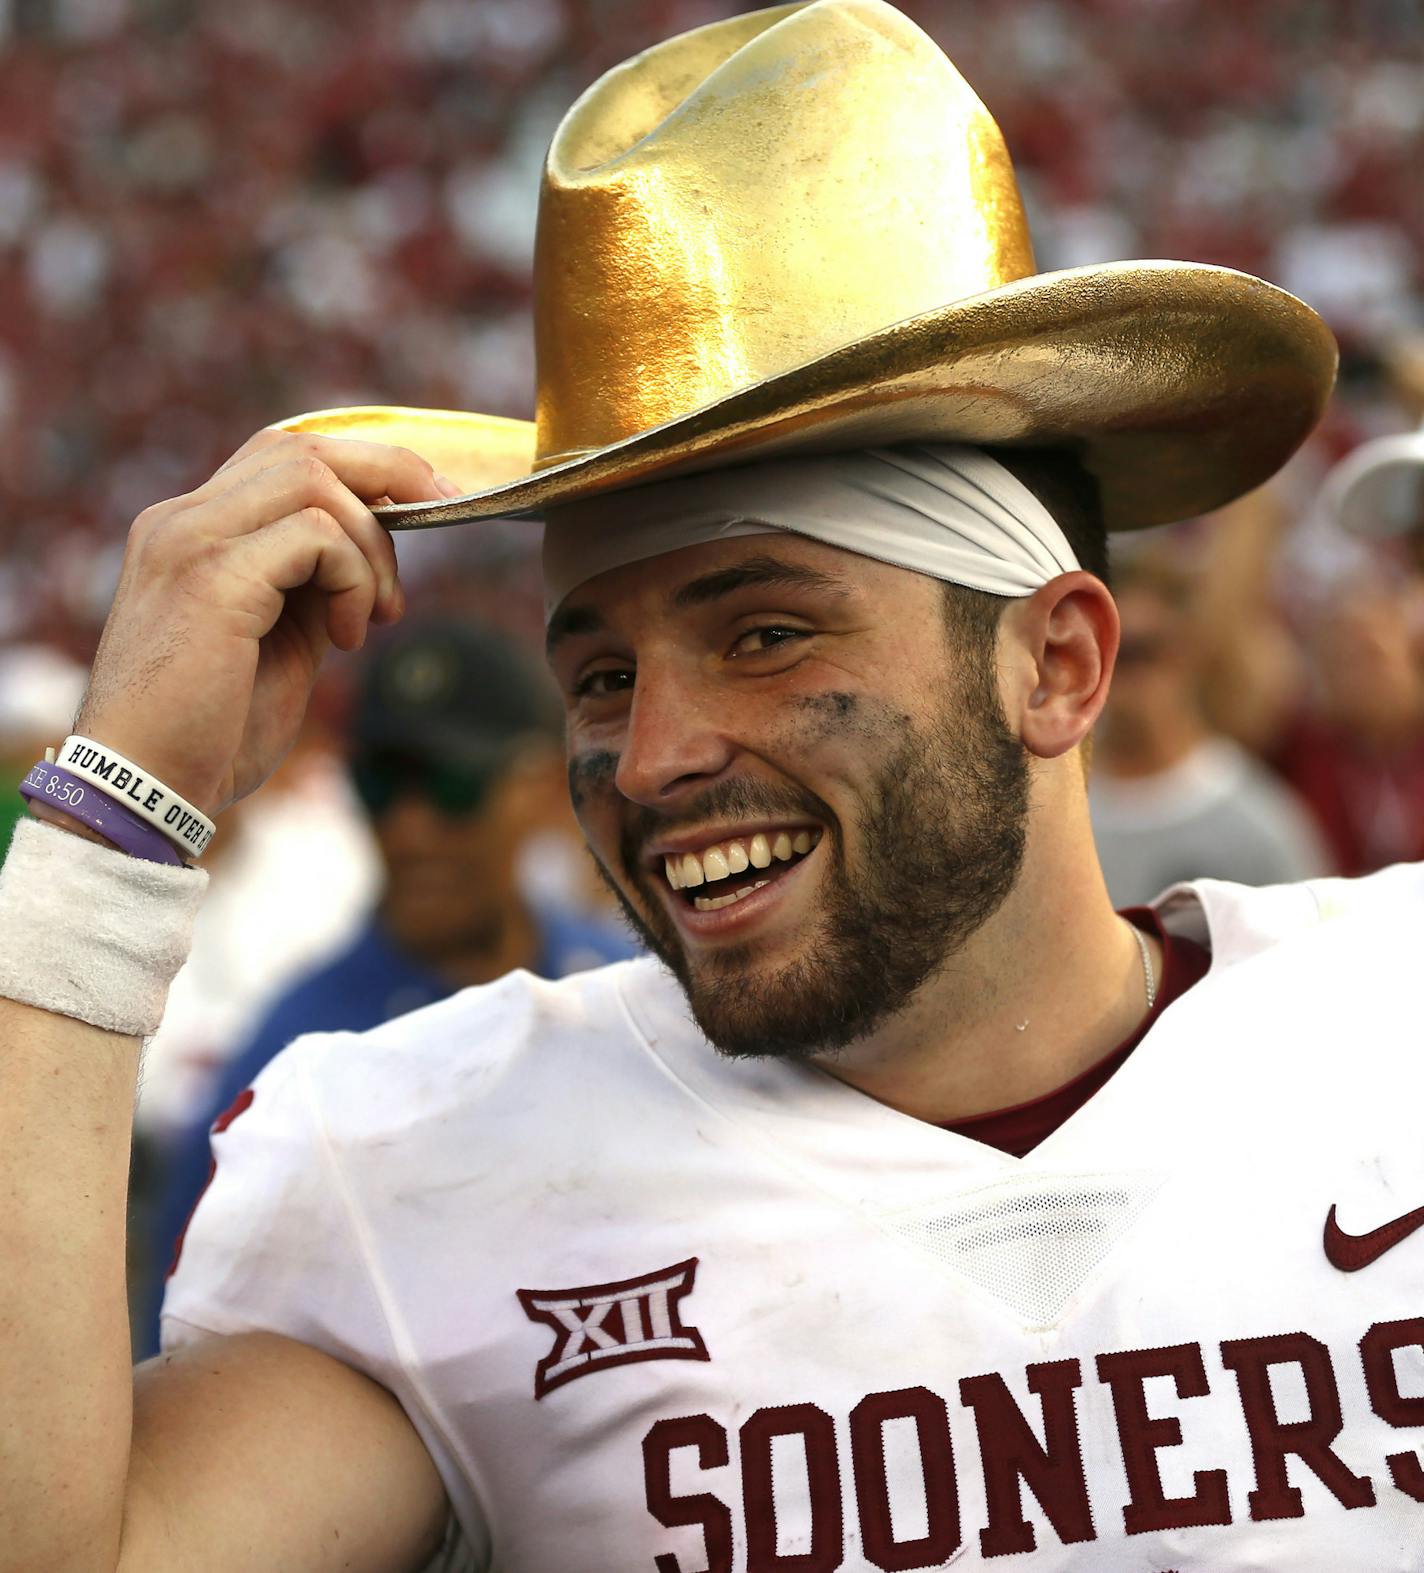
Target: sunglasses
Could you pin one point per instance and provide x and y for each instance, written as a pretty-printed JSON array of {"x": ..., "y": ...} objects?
[{"x": 381, "y": 779}]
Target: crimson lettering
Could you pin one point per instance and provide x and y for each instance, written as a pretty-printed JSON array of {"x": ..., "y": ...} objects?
[
  {"x": 1052, "y": 1470},
  {"x": 601, "y": 1325},
  {"x": 605, "y": 1322},
  {"x": 1272, "y": 1439},
  {"x": 823, "y": 1479},
  {"x": 710, "y": 1513},
  {"x": 1140, "y": 1436},
  {"x": 1377, "y": 1352},
  {"x": 872, "y": 1485}
]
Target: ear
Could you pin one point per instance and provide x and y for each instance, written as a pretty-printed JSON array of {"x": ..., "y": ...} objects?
[{"x": 1057, "y": 652}]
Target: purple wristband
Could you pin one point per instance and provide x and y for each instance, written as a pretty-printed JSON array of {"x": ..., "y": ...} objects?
[{"x": 50, "y": 784}]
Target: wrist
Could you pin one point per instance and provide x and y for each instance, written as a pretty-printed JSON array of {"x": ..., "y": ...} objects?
[
  {"x": 136, "y": 811},
  {"x": 89, "y": 797},
  {"x": 89, "y": 932},
  {"x": 200, "y": 788},
  {"x": 62, "y": 821}
]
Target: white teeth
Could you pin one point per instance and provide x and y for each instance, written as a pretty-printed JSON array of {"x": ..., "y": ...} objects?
[
  {"x": 689, "y": 869},
  {"x": 712, "y": 903}
]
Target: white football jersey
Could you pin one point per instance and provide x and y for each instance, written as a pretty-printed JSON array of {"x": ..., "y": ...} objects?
[{"x": 655, "y": 1310}]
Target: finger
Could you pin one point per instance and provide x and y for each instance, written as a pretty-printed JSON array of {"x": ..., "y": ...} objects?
[
  {"x": 390, "y": 608},
  {"x": 310, "y": 548},
  {"x": 306, "y": 610},
  {"x": 285, "y": 481},
  {"x": 371, "y": 469},
  {"x": 380, "y": 469},
  {"x": 256, "y": 443},
  {"x": 343, "y": 575}
]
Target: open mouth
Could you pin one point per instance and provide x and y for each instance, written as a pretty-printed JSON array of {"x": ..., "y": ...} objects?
[{"x": 729, "y": 871}]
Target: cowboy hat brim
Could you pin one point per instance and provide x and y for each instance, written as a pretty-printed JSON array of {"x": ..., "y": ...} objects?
[{"x": 1179, "y": 386}]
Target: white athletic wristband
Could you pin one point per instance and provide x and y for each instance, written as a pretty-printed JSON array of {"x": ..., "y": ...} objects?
[
  {"x": 92, "y": 933},
  {"x": 140, "y": 793}
]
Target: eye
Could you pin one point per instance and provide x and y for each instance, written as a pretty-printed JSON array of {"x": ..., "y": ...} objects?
[
  {"x": 603, "y": 681},
  {"x": 766, "y": 637}
]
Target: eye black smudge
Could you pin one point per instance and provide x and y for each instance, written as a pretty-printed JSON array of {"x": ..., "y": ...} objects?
[
  {"x": 848, "y": 715},
  {"x": 833, "y": 705},
  {"x": 590, "y": 771}
]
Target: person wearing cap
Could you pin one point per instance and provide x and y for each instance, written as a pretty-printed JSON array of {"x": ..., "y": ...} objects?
[
  {"x": 909, "y": 1206},
  {"x": 452, "y": 743},
  {"x": 1355, "y": 751}
]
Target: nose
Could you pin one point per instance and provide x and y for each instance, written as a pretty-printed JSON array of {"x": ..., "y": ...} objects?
[{"x": 676, "y": 742}]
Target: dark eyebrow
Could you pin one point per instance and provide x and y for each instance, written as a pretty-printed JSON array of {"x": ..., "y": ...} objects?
[
  {"x": 570, "y": 620},
  {"x": 764, "y": 571}
]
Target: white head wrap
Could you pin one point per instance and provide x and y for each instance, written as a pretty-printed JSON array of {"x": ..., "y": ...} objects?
[{"x": 945, "y": 510}]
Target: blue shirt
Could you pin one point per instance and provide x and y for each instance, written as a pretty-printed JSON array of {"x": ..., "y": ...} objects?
[{"x": 368, "y": 983}]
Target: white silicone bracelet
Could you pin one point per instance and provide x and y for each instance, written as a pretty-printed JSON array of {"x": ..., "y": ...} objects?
[
  {"x": 92, "y": 933},
  {"x": 139, "y": 792}
]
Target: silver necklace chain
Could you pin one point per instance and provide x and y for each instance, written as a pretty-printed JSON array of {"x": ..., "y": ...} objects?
[{"x": 1147, "y": 978}]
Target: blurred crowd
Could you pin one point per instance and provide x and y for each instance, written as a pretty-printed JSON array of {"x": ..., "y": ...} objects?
[{"x": 212, "y": 216}]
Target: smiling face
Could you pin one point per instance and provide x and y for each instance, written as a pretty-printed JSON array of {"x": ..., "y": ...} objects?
[{"x": 799, "y": 783}]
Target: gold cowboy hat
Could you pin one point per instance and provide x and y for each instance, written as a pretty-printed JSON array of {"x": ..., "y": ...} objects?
[{"x": 799, "y": 230}]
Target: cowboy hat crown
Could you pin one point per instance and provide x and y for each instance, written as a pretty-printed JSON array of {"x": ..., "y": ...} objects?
[
  {"x": 799, "y": 229},
  {"x": 749, "y": 197}
]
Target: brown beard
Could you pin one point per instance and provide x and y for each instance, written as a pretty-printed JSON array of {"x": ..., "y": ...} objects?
[{"x": 942, "y": 837}]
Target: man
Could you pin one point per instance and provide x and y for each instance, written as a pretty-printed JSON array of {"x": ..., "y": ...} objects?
[
  {"x": 453, "y": 739},
  {"x": 451, "y": 747},
  {"x": 1172, "y": 800},
  {"x": 543, "y": 1255},
  {"x": 1356, "y": 754}
]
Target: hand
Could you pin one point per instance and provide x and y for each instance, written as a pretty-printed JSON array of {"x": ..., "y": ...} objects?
[{"x": 229, "y": 598}]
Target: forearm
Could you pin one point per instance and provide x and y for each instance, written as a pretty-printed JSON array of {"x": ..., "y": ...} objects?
[
  {"x": 203, "y": 673},
  {"x": 66, "y": 1111},
  {"x": 89, "y": 941}
]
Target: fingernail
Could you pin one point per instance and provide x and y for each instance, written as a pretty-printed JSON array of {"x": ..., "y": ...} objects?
[{"x": 448, "y": 488}]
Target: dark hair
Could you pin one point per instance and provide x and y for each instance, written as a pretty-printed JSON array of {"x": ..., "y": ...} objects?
[{"x": 1071, "y": 495}]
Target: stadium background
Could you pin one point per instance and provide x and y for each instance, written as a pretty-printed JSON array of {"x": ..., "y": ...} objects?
[{"x": 214, "y": 215}]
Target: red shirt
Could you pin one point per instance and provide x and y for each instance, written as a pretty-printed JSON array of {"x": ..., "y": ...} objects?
[
  {"x": 1370, "y": 807},
  {"x": 1018, "y": 1130}
]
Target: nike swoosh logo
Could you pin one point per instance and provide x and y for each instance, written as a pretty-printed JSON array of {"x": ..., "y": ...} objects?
[{"x": 1351, "y": 1252}]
